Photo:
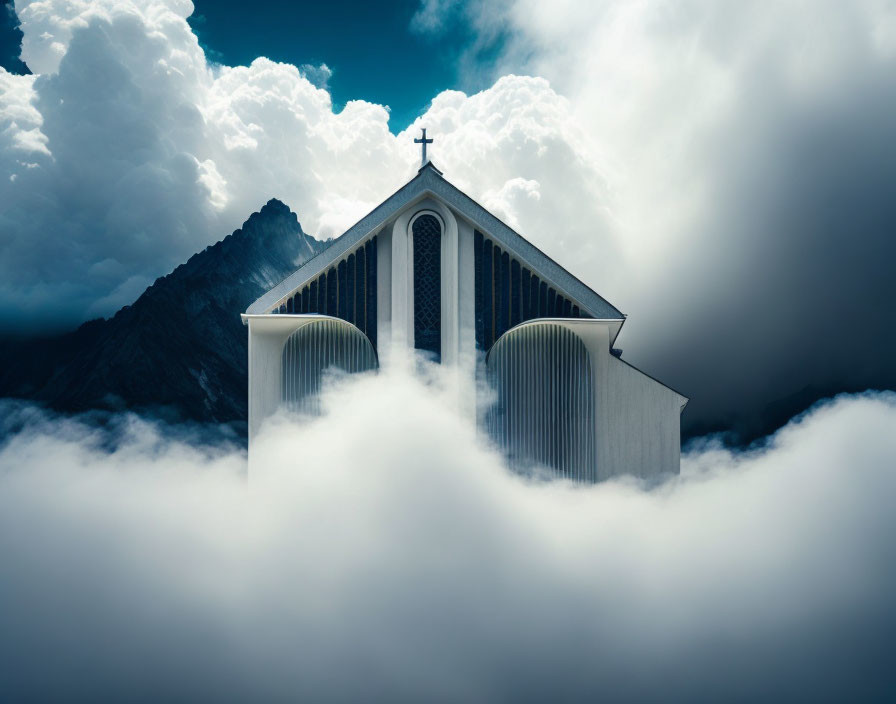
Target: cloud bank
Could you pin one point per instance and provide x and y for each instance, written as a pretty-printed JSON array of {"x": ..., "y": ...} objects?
[
  {"x": 130, "y": 151},
  {"x": 401, "y": 561}
]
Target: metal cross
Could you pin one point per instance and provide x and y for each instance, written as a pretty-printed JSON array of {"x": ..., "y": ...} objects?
[{"x": 424, "y": 141}]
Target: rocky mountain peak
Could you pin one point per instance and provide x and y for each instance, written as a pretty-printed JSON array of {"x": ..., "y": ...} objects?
[{"x": 180, "y": 349}]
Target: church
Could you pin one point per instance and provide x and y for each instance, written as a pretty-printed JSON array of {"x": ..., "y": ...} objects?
[{"x": 430, "y": 270}]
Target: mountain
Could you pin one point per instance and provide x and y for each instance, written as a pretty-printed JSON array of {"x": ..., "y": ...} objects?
[{"x": 179, "y": 352}]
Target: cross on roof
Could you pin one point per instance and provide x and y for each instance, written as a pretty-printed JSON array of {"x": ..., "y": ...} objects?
[{"x": 423, "y": 141}]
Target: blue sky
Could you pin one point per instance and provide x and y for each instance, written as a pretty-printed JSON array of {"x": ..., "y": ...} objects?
[
  {"x": 10, "y": 39},
  {"x": 370, "y": 47}
]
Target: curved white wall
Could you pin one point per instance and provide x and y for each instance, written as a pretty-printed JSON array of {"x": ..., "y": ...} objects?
[
  {"x": 267, "y": 336},
  {"x": 637, "y": 419}
]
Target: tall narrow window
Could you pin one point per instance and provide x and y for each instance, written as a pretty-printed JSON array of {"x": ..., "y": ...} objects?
[{"x": 428, "y": 285}]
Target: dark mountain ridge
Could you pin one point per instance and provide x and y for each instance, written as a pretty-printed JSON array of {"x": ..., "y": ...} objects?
[{"x": 179, "y": 352}]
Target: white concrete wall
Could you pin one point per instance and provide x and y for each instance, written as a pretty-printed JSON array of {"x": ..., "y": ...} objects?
[
  {"x": 642, "y": 424},
  {"x": 267, "y": 337},
  {"x": 638, "y": 418},
  {"x": 402, "y": 270}
]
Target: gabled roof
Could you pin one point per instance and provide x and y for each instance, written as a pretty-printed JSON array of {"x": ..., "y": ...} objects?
[{"x": 429, "y": 181}]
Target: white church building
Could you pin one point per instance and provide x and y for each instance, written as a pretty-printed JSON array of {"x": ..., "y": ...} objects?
[{"x": 431, "y": 270}]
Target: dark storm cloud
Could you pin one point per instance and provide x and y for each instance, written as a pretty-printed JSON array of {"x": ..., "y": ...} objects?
[
  {"x": 426, "y": 571},
  {"x": 114, "y": 198},
  {"x": 787, "y": 293},
  {"x": 755, "y": 163}
]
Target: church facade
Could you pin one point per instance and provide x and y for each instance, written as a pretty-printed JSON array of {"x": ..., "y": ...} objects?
[{"x": 431, "y": 270}]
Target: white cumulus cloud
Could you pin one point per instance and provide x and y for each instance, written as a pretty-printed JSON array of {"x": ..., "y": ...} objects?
[{"x": 129, "y": 151}]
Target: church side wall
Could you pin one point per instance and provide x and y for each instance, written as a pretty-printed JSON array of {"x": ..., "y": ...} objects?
[
  {"x": 265, "y": 350},
  {"x": 640, "y": 423}
]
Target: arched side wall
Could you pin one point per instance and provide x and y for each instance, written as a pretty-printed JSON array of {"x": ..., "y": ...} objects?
[
  {"x": 544, "y": 413},
  {"x": 637, "y": 422},
  {"x": 267, "y": 337},
  {"x": 312, "y": 350}
]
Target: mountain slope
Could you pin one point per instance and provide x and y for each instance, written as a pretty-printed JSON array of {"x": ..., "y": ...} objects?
[{"x": 180, "y": 350}]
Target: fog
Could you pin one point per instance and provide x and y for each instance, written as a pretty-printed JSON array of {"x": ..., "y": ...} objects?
[{"x": 383, "y": 551}]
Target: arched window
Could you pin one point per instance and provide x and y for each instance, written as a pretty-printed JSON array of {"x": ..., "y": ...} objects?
[
  {"x": 313, "y": 349},
  {"x": 544, "y": 409},
  {"x": 427, "y": 232}
]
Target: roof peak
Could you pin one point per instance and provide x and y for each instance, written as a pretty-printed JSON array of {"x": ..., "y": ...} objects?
[
  {"x": 429, "y": 165},
  {"x": 429, "y": 181}
]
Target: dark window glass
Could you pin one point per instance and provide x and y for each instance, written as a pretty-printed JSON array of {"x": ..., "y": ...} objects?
[
  {"x": 515, "y": 301},
  {"x": 479, "y": 278},
  {"x": 527, "y": 295},
  {"x": 360, "y": 302},
  {"x": 332, "y": 291},
  {"x": 488, "y": 310},
  {"x": 428, "y": 285},
  {"x": 342, "y": 286},
  {"x": 312, "y": 303},
  {"x": 350, "y": 290},
  {"x": 503, "y": 317}
]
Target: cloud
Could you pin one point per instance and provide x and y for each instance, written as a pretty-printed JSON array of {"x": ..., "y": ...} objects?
[
  {"x": 318, "y": 75},
  {"x": 749, "y": 157},
  {"x": 519, "y": 149},
  {"x": 130, "y": 151},
  {"x": 720, "y": 173},
  {"x": 432, "y": 15},
  {"x": 424, "y": 569}
]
